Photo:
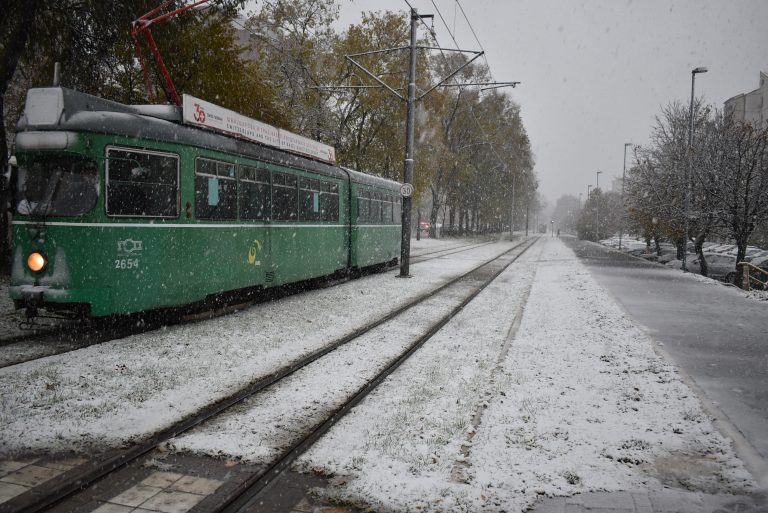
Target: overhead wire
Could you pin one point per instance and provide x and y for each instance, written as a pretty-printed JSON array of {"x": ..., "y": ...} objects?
[
  {"x": 470, "y": 25},
  {"x": 444, "y": 23},
  {"x": 484, "y": 134},
  {"x": 472, "y": 29}
]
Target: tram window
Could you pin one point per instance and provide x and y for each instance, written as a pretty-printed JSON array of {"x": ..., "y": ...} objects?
[
  {"x": 205, "y": 166},
  {"x": 363, "y": 207},
  {"x": 284, "y": 197},
  {"x": 396, "y": 211},
  {"x": 375, "y": 214},
  {"x": 248, "y": 173},
  {"x": 215, "y": 189},
  {"x": 386, "y": 210},
  {"x": 309, "y": 199},
  {"x": 254, "y": 193},
  {"x": 142, "y": 184},
  {"x": 329, "y": 202}
]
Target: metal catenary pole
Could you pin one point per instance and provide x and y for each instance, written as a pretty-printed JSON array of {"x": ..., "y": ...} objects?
[
  {"x": 405, "y": 240},
  {"x": 512, "y": 215},
  {"x": 527, "y": 213}
]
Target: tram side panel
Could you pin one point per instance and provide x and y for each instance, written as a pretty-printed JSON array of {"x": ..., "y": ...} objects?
[
  {"x": 144, "y": 192},
  {"x": 376, "y": 230},
  {"x": 145, "y": 227},
  {"x": 308, "y": 234},
  {"x": 228, "y": 244}
]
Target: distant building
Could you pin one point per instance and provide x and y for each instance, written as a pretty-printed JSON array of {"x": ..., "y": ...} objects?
[{"x": 751, "y": 107}]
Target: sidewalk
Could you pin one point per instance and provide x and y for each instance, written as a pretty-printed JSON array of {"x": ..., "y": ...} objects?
[{"x": 663, "y": 501}]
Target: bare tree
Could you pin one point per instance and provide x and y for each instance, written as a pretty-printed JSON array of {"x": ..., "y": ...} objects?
[
  {"x": 656, "y": 185},
  {"x": 737, "y": 179}
]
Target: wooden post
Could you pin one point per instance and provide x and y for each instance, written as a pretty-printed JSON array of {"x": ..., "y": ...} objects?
[{"x": 745, "y": 277}]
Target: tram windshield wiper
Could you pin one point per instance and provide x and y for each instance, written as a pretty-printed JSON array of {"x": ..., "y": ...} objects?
[
  {"x": 56, "y": 185},
  {"x": 42, "y": 209}
]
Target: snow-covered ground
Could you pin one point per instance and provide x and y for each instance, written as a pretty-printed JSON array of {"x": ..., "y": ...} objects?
[
  {"x": 301, "y": 400},
  {"x": 129, "y": 388},
  {"x": 580, "y": 403},
  {"x": 541, "y": 386}
]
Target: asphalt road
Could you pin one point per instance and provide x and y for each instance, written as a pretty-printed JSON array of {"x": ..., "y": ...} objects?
[{"x": 713, "y": 332}]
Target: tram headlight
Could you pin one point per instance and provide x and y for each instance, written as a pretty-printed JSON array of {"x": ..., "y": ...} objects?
[{"x": 36, "y": 262}]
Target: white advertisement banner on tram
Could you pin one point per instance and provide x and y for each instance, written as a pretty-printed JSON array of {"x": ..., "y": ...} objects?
[{"x": 213, "y": 117}]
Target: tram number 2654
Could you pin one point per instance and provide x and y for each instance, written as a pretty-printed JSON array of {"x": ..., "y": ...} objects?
[{"x": 127, "y": 263}]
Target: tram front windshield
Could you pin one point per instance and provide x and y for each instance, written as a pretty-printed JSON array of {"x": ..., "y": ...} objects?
[{"x": 56, "y": 185}]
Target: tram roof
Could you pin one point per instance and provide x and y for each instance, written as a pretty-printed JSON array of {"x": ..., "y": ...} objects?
[{"x": 59, "y": 108}]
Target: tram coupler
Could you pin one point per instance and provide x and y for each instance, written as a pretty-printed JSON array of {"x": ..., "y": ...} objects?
[{"x": 31, "y": 300}]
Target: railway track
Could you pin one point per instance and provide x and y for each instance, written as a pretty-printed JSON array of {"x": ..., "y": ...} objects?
[
  {"x": 70, "y": 336},
  {"x": 59, "y": 490},
  {"x": 449, "y": 249}
]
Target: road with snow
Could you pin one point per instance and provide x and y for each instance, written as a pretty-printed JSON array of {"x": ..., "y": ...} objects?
[{"x": 714, "y": 332}]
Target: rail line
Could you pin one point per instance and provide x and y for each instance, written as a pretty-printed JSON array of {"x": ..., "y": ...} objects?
[
  {"x": 449, "y": 250},
  {"x": 59, "y": 489},
  {"x": 245, "y": 495},
  {"x": 423, "y": 257}
]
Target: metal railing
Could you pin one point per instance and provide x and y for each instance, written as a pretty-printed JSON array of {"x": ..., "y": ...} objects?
[{"x": 748, "y": 279}]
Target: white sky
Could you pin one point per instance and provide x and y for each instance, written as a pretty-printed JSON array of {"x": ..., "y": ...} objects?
[{"x": 594, "y": 73}]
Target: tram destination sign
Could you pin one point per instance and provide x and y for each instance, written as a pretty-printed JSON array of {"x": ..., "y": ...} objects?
[{"x": 213, "y": 117}]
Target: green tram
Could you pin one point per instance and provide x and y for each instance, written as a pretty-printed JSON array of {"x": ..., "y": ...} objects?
[{"x": 122, "y": 209}]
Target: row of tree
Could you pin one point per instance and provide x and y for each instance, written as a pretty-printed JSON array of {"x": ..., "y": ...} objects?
[
  {"x": 473, "y": 157},
  {"x": 719, "y": 184},
  {"x": 472, "y": 151},
  {"x": 722, "y": 178}
]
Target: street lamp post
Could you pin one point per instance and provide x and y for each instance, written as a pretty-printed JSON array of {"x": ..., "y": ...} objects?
[
  {"x": 527, "y": 212},
  {"x": 623, "y": 207},
  {"x": 512, "y": 215},
  {"x": 688, "y": 178},
  {"x": 597, "y": 208},
  {"x": 588, "y": 188}
]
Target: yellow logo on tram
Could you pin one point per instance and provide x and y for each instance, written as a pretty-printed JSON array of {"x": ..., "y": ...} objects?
[{"x": 253, "y": 253}]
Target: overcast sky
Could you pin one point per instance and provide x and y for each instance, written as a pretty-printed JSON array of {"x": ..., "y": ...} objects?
[{"x": 594, "y": 73}]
